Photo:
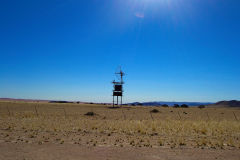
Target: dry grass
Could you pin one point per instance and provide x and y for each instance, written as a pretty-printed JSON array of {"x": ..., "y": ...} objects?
[{"x": 23, "y": 122}]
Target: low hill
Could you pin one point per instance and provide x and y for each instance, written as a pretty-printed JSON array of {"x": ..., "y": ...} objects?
[
  {"x": 159, "y": 103},
  {"x": 22, "y": 100},
  {"x": 232, "y": 103}
]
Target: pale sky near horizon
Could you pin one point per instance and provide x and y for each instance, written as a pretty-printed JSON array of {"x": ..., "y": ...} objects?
[{"x": 171, "y": 50}]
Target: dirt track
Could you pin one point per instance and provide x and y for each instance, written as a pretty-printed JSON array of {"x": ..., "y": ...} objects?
[{"x": 10, "y": 151}]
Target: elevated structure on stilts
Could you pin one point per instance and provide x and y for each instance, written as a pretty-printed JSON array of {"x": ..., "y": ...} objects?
[{"x": 118, "y": 89}]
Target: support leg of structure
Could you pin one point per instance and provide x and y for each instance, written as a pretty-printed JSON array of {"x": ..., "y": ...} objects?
[
  {"x": 121, "y": 101},
  {"x": 117, "y": 100},
  {"x": 113, "y": 101}
]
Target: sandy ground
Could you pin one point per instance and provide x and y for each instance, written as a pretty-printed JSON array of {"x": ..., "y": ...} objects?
[
  {"x": 42, "y": 131},
  {"x": 10, "y": 151}
]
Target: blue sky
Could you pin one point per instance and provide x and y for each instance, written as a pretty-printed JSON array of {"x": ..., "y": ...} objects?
[{"x": 171, "y": 50}]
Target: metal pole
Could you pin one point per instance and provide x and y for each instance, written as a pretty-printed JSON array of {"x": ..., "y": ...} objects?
[
  {"x": 113, "y": 99},
  {"x": 9, "y": 113},
  {"x": 179, "y": 116},
  {"x": 235, "y": 116},
  {"x": 65, "y": 112},
  {"x": 121, "y": 101},
  {"x": 207, "y": 115},
  {"x": 117, "y": 100},
  {"x": 36, "y": 111}
]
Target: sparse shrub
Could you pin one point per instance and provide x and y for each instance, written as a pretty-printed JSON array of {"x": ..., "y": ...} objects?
[
  {"x": 176, "y": 106},
  {"x": 201, "y": 106},
  {"x": 181, "y": 142},
  {"x": 90, "y": 114},
  {"x": 59, "y": 102},
  {"x": 161, "y": 142},
  {"x": 154, "y": 111},
  {"x": 164, "y": 105},
  {"x": 115, "y": 107},
  {"x": 184, "y": 106}
]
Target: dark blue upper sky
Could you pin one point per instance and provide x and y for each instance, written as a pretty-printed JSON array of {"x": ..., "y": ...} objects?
[{"x": 171, "y": 50}]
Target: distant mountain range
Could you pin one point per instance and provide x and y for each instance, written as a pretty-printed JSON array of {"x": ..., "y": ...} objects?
[
  {"x": 232, "y": 103},
  {"x": 159, "y": 103}
]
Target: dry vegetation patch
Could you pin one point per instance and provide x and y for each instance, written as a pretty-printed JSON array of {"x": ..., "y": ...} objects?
[{"x": 67, "y": 123}]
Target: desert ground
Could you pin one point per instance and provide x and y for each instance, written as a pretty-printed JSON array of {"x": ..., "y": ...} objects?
[{"x": 41, "y": 130}]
